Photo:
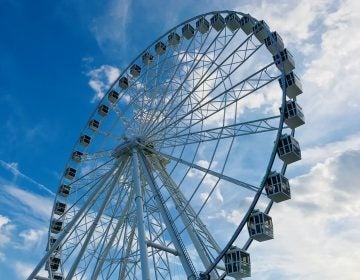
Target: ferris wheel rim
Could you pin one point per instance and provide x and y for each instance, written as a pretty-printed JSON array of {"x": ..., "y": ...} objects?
[{"x": 279, "y": 131}]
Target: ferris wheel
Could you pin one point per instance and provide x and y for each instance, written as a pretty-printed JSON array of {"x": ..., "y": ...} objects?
[{"x": 177, "y": 168}]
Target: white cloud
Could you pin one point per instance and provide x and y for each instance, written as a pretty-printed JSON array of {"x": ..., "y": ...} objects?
[
  {"x": 110, "y": 28},
  {"x": 38, "y": 205},
  {"x": 6, "y": 228},
  {"x": 33, "y": 238},
  {"x": 316, "y": 232},
  {"x": 294, "y": 20},
  {"x": 320, "y": 153},
  {"x": 101, "y": 79},
  {"x": 23, "y": 270}
]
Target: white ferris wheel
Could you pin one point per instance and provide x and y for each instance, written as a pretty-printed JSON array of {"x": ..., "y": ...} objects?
[{"x": 199, "y": 127}]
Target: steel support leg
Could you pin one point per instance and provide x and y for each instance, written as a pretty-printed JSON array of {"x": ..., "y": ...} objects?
[{"x": 140, "y": 217}]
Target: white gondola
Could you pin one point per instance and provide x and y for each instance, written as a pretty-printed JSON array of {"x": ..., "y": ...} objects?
[
  {"x": 52, "y": 242},
  {"x": 188, "y": 31},
  {"x": 288, "y": 149},
  {"x": 76, "y": 156},
  {"x": 58, "y": 276},
  {"x": 103, "y": 110},
  {"x": 293, "y": 116},
  {"x": 123, "y": 82},
  {"x": 56, "y": 226},
  {"x": 53, "y": 263},
  {"x": 261, "y": 30},
  {"x": 260, "y": 226},
  {"x": 160, "y": 48},
  {"x": 232, "y": 22},
  {"x": 85, "y": 140},
  {"x": 94, "y": 125},
  {"x": 202, "y": 24},
  {"x": 174, "y": 38},
  {"x": 237, "y": 263},
  {"x": 293, "y": 85},
  {"x": 64, "y": 190},
  {"x": 277, "y": 187},
  {"x": 70, "y": 173},
  {"x": 60, "y": 208},
  {"x": 147, "y": 58},
  {"x": 113, "y": 96},
  {"x": 247, "y": 25},
  {"x": 218, "y": 22},
  {"x": 135, "y": 70},
  {"x": 274, "y": 43},
  {"x": 284, "y": 60}
]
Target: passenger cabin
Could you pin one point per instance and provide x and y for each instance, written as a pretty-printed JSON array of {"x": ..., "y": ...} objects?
[
  {"x": 237, "y": 263},
  {"x": 85, "y": 140},
  {"x": 56, "y": 225},
  {"x": 160, "y": 48},
  {"x": 135, "y": 70},
  {"x": 123, "y": 82},
  {"x": 261, "y": 30},
  {"x": 274, "y": 43},
  {"x": 60, "y": 208},
  {"x": 202, "y": 25},
  {"x": 113, "y": 96},
  {"x": 76, "y": 156},
  {"x": 284, "y": 60},
  {"x": 64, "y": 190},
  {"x": 232, "y": 22},
  {"x": 52, "y": 242},
  {"x": 277, "y": 187},
  {"x": 288, "y": 149},
  {"x": 70, "y": 173},
  {"x": 217, "y": 22},
  {"x": 103, "y": 110},
  {"x": 247, "y": 25},
  {"x": 58, "y": 276},
  {"x": 147, "y": 58},
  {"x": 94, "y": 125},
  {"x": 260, "y": 226},
  {"x": 293, "y": 116},
  {"x": 54, "y": 263},
  {"x": 174, "y": 38},
  {"x": 188, "y": 31},
  {"x": 293, "y": 85}
]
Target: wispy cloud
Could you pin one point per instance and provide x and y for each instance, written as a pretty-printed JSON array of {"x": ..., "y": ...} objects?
[
  {"x": 101, "y": 79},
  {"x": 14, "y": 169},
  {"x": 109, "y": 28},
  {"x": 38, "y": 205}
]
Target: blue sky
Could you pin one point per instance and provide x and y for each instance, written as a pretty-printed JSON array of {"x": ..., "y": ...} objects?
[{"x": 58, "y": 57}]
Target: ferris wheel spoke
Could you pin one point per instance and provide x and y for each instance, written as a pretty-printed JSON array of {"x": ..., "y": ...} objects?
[
  {"x": 195, "y": 62},
  {"x": 93, "y": 227},
  {"x": 68, "y": 228},
  {"x": 100, "y": 250},
  {"x": 243, "y": 52},
  {"x": 208, "y": 171},
  {"x": 176, "y": 65},
  {"x": 119, "y": 224},
  {"x": 123, "y": 251},
  {"x": 176, "y": 238},
  {"x": 237, "y": 92},
  {"x": 216, "y": 133},
  {"x": 203, "y": 241}
]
